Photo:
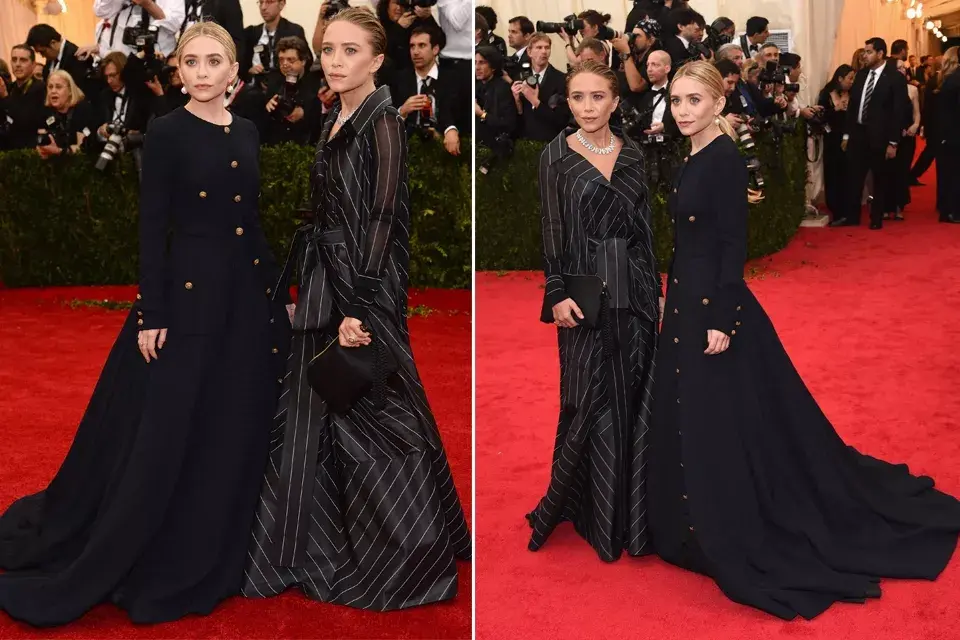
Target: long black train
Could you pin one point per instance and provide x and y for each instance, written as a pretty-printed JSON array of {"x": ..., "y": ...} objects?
[
  {"x": 357, "y": 509},
  {"x": 592, "y": 226}
]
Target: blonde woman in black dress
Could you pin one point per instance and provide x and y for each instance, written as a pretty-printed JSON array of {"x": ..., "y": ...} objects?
[
  {"x": 358, "y": 508},
  {"x": 748, "y": 481},
  {"x": 596, "y": 222}
]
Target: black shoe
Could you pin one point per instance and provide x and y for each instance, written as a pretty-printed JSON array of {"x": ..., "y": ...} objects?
[
  {"x": 844, "y": 222},
  {"x": 876, "y": 225},
  {"x": 950, "y": 219},
  {"x": 898, "y": 217}
]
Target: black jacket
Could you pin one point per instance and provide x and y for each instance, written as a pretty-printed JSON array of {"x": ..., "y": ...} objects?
[
  {"x": 449, "y": 96},
  {"x": 496, "y": 99},
  {"x": 139, "y": 108},
  {"x": 883, "y": 122},
  {"x": 679, "y": 53},
  {"x": 646, "y": 105},
  {"x": 251, "y": 36},
  {"x": 498, "y": 43},
  {"x": 23, "y": 110},
  {"x": 226, "y": 13},
  {"x": 545, "y": 122},
  {"x": 948, "y": 107},
  {"x": 201, "y": 184},
  {"x": 276, "y": 130}
]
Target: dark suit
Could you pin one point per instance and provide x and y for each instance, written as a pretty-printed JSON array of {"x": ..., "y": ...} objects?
[
  {"x": 513, "y": 58},
  {"x": 679, "y": 53},
  {"x": 745, "y": 45},
  {"x": 449, "y": 94},
  {"x": 495, "y": 97},
  {"x": 544, "y": 122},
  {"x": 498, "y": 43},
  {"x": 646, "y": 106},
  {"x": 139, "y": 108},
  {"x": 226, "y": 13},
  {"x": 866, "y": 148},
  {"x": 251, "y": 36},
  {"x": 78, "y": 69},
  {"x": 24, "y": 108}
]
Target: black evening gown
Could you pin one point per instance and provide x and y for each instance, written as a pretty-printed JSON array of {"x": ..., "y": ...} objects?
[
  {"x": 153, "y": 506},
  {"x": 592, "y": 226},
  {"x": 749, "y": 482},
  {"x": 357, "y": 509}
]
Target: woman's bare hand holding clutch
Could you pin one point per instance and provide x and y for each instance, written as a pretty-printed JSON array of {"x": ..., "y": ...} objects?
[
  {"x": 565, "y": 314},
  {"x": 353, "y": 333}
]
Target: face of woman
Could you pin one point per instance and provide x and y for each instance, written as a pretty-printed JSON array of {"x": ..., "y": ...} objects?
[
  {"x": 59, "y": 93},
  {"x": 592, "y": 101},
  {"x": 589, "y": 31},
  {"x": 347, "y": 56},
  {"x": 694, "y": 108},
  {"x": 846, "y": 82},
  {"x": 206, "y": 69},
  {"x": 394, "y": 11},
  {"x": 484, "y": 71}
]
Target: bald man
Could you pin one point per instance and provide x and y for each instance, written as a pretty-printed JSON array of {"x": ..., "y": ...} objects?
[{"x": 655, "y": 103}]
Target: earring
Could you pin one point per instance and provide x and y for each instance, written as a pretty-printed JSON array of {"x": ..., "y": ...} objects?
[
  {"x": 183, "y": 90},
  {"x": 716, "y": 121}
]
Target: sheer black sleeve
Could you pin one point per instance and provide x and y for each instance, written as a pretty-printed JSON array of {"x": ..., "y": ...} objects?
[
  {"x": 158, "y": 162},
  {"x": 730, "y": 188},
  {"x": 551, "y": 211},
  {"x": 387, "y": 173}
]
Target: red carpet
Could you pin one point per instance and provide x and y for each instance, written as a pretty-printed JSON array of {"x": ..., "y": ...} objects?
[
  {"x": 50, "y": 357},
  {"x": 870, "y": 319}
]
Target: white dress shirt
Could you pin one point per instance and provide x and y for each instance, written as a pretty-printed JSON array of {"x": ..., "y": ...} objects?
[
  {"x": 660, "y": 109},
  {"x": 117, "y": 15},
  {"x": 873, "y": 76},
  {"x": 435, "y": 74},
  {"x": 456, "y": 20},
  {"x": 59, "y": 60},
  {"x": 263, "y": 42}
]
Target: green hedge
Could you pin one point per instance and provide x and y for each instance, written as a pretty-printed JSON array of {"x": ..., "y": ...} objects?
[
  {"x": 508, "y": 206},
  {"x": 62, "y": 222}
]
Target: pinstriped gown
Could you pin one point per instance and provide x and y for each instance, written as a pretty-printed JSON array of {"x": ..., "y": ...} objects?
[
  {"x": 595, "y": 227},
  {"x": 357, "y": 509}
]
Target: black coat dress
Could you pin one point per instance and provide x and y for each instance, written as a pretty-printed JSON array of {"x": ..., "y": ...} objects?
[
  {"x": 748, "y": 481},
  {"x": 592, "y": 226},
  {"x": 834, "y": 164},
  {"x": 153, "y": 506},
  {"x": 357, "y": 509}
]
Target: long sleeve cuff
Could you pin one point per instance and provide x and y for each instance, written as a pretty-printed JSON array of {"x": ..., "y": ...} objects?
[
  {"x": 723, "y": 310},
  {"x": 364, "y": 294},
  {"x": 148, "y": 316},
  {"x": 555, "y": 291}
]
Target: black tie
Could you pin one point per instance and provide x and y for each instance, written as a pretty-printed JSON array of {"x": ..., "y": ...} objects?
[{"x": 269, "y": 64}]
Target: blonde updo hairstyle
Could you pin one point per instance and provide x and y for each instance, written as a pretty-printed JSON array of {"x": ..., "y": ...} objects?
[
  {"x": 706, "y": 74},
  {"x": 208, "y": 30}
]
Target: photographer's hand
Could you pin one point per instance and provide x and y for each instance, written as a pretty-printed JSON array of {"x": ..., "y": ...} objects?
[
  {"x": 780, "y": 101},
  {"x": 50, "y": 149},
  {"x": 155, "y": 87},
  {"x": 256, "y": 69},
  {"x": 296, "y": 115},
  {"x": 451, "y": 142},
  {"x": 477, "y": 109},
  {"x": 843, "y": 146},
  {"x": 655, "y": 128},
  {"x": 422, "y": 12},
  {"x": 532, "y": 94},
  {"x": 272, "y": 103},
  {"x": 620, "y": 43},
  {"x": 102, "y": 131},
  {"x": 407, "y": 19},
  {"x": 85, "y": 52}
]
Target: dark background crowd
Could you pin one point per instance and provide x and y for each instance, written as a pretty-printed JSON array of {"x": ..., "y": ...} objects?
[
  {"x": 520, "y": 95},
  {"x": 59, "y": 97}
]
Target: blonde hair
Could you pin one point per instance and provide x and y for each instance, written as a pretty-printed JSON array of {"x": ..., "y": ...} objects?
[
  {"x": 207, "y": 30},
  {"x": 597, "y": 69},
  {"x": 857, "y": 61},
  {"x": 706, "y": 74},
  {"x": 76, "y": 95},
  {"x": 539, "y": 37},
  {"x": 367, "y": 20}
]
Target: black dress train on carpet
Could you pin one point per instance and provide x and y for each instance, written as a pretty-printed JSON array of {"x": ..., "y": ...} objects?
[
  {"x": 357, "y": 509},
  {"x": 749, "y": 482},
  {"x": 592, "y": 226},
  {"x": 153, "y": 505}
]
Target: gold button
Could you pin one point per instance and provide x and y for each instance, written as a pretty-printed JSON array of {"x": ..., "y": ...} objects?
[
  {"x": 734, "y": 332},
  {"x": 140, "y": 322},
  {"x": 139, "y": 313},
  {"x": 738, "y": 323},
  {"x": 706, "y": 301},
  {"x": 673, "y": 219},
  {"x": 674, "y": 190},
  {"x": 678, "y": 370},
  {"x": 139, "y": 297},
  {"x": 203, "y": 194},
  {"x": 684, "y": 496},
  {"x": 239, "y": 231},
  {"x": 226, "y": 129},
  {"x": 256, "y": 261},
  {"x": 675, "y": 311},
  {"x": 738, "y": 308},
  {"x": 236, "y": 198},
  {"x": 275, "y": 350},
  {"x": 234, "y": 164},
  {"x": 678, "y": 400},
  {"x": 188, "y": 285},
  {"x": 692, "y": 218},
  {"x": 271, "y": 321},
  {"x": 676, "y": 340},
  {"x": 675, "y": 281},
  {"x": 269, "y": 290}
]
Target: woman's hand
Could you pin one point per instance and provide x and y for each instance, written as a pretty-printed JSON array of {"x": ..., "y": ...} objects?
[
  {"x": 565, "y": 314},
  {"x": 717, "y": 342},
  {"x": 663, "y": 301},
  {"x": 291, "y": 311},
  {"x": 353, "y": 333},
  {"x": 149, "y": 341},
  {"x": 50, "y": 149},
  {"x": 407, "y": 19}
]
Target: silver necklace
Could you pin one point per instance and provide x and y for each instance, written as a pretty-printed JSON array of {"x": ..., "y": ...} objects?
[
  {"x": 343, "y": 117},
  {"x": 589, "y": 146}
]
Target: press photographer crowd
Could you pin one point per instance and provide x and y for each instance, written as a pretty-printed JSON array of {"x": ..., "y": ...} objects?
[
  {"x": 865, "y": 121},
  {"x": 97, "y": 98}
]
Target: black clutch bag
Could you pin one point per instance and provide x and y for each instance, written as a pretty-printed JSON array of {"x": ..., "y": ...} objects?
[
  {"x": 587, "y": 292},
  {"x": 343, "y": 375}
]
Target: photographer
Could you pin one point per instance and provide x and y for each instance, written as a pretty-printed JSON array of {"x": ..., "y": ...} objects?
[
  {"x": 656, "y": 10},
  {"x": 540, "y": 94},
  {"x": 126, "y": 108},
  {"x": 641, "y": 41},
  {"x": 758, "y": 31},
  {"x": 259, "y": 53},
  {"x": 292, "y": 104},
  {"x": 769, "y": 52},
  {"x": 226, "y": 13},
  {"x": 68, "y": 119},
  {"x": 122, "y": 20},
  {"x": 21, "y": 101},
  {"x": 399, "y": 19},
  {"x": 62, "y": 54},
  {"x": 732, "y": 52},
  {"x": 519, "y": 32},
  {"x": 491, "y": 39},
  {"x": 594, "y": 50},
  {"x": 167, "y": 94},
  {"x": 494, "y": 108},
  {"x": 594, "y": 26},
  {"x": 683, "y": 45},
  {"x": 657, "y": 121},
  {"x": 736, "y": 110},
  {"x": 792, "y": 64},
  {"x": 428, "y": 97}
]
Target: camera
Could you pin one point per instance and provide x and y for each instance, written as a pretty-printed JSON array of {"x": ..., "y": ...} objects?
[
  {"x": 570, "y": 24},
  {"x": 334, "y": 7},
  {"x": 286, "y": 98},
  {"x": 773, "y": 74},
  {"x": 502, "y": 148},
  {"x": 745, "y": 134},
  {"x": 54, "y": 129},
  {"x": 118, "y": 141},
  {"x": 519, "y": 71},
  {"x": 714, "y": 39},
  {"x": 410, "y": 5}
]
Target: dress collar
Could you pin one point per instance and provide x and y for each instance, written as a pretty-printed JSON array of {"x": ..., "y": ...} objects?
[
  {"x": 564, "y": 158},
  {"x": 371, "y": 107}
]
